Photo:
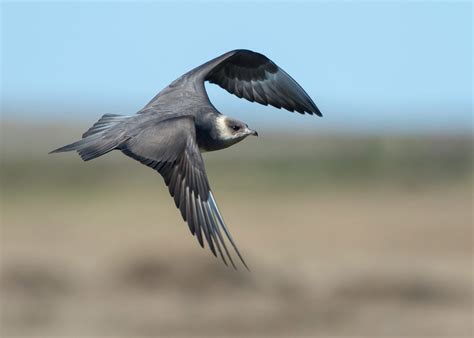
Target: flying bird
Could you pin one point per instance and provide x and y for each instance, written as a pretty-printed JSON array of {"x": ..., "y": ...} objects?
[{"x": 179, "y": 123}]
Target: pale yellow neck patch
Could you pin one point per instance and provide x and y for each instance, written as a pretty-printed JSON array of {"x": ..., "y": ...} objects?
[{"x": 223, "y": 129}]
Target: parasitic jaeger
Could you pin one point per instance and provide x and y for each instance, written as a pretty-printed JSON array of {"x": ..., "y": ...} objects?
[{"x": 180, "y": 122}]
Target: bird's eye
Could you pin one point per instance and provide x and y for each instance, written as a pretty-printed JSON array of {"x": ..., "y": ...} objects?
[{"x": 235, "y": 128}]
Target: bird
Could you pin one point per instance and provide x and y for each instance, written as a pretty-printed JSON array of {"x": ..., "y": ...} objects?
[{"x": 180, "y": 122}]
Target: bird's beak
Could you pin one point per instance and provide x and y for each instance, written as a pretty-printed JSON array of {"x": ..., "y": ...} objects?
[{"x": 252, "y": 132}]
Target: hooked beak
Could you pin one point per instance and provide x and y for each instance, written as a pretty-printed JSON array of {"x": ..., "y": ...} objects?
[{"x": 252, "y": 132}]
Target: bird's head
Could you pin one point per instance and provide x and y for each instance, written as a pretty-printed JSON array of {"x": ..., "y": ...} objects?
[{"x": 232, "y": 130}]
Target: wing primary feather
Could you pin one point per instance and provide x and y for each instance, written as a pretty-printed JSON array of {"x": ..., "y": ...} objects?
[
  {"x": 305, "y": 100},
  {"x": 285, "y": 82},
  {"x": 200, "y": 179},
  {"x": 212, "y": 227},
  {"x": 284, "y": 92},
  {"x": 247, "y": 91},
  {"x": 197, "y": 225},
  {"x": 205, "y": 225},
  {"x": 259, "y": 93},
  {"x": 172, "y": 185},
  {"x": 189, "y": 212},
  {"x": 224, "y": 227},
  {"x": 238, "y": 89},
  {"x": 177, "y": 190},
  {"x": 217, "y": 230},
  {"x": 182, "y": 199},
  {"x": 279, "y": 100}
]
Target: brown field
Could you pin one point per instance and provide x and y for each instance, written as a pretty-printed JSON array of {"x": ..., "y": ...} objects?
[{"x": 345, "y": 236}]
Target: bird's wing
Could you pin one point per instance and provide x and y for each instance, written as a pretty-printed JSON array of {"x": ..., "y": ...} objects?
[
  {"x": 254, "y": 77},
  {"x": 170, "y": 148}
]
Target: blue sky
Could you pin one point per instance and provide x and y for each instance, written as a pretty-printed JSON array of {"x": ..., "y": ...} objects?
[{"x": 369, "y": 66}]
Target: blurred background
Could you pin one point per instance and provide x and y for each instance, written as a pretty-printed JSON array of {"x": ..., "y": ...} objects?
[{"x": 356, "y": 224}]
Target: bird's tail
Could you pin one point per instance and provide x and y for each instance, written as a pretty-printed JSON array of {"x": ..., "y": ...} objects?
[{"x": 96, "y": 141}]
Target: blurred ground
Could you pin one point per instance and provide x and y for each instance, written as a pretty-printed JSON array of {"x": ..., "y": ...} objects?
[{"x": 345, "y": 236}]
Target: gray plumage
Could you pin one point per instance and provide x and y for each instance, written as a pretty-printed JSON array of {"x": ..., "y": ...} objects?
[{"x": 180, "y": 122}]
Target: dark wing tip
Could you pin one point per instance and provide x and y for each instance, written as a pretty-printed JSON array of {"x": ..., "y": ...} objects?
[
  {"x": 309, "y": 106},
  {"x": 316, "y": 111},
  {"x": 253, "y": 76}
]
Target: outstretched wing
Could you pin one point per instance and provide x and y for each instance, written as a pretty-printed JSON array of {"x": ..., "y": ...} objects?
[
  {"x": 170, "y": 148},
  {"x": 254, "y": 77}
]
